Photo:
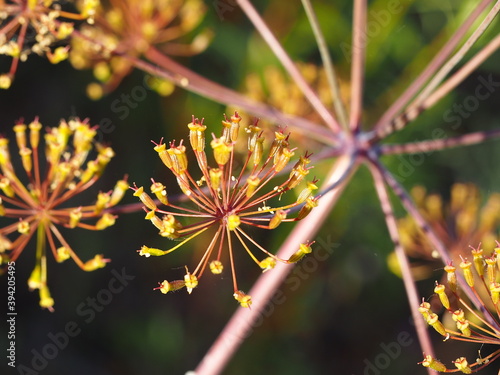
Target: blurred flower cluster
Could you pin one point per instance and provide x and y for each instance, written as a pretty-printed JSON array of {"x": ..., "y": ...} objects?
[
  {"x": 128, "y": 29},
  {"x": 40, "y": 27},
  {"x": 227, "y": 199},
  {"x": 42, "y": 203},
  {"x": 274, "y": 87},
  {"x": 465, "y": 220}
]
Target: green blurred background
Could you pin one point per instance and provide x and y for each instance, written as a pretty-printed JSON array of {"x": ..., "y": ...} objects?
[{"x": 347, "y": 309}]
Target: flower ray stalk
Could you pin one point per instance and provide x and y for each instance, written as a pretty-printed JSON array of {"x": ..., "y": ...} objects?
[
  {"x": 413, "y": 111},
  {"x": 331, "y": 76},
  {"x": 236, "y": 330},
  {"x": 288, "y": 64},
  {"x": 392, "y": 112}
]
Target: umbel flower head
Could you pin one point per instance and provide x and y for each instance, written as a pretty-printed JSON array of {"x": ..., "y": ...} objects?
[
  {"x": 35, "y": 26},
  {"x": 464, "y": 220},
  {"x": 136, "y": 28},
  {"x": 478, "y": 324},
  {"x": 42, "y": 203},
  {"x": 227, "y": 200},
  {"x": 274, "y": 87}
]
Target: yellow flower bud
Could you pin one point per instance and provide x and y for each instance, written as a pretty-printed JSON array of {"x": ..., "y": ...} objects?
[
  {"x": 105, "y": 221},
  {"x": 178, "y": 157},
  {"x": 191, "y": 282},
  {"x": 283, "y": 159},
  {"x": 463, "y": 325},
  {"x": 278, "y": 217},
  {"x": 161, "y": 149},
  {"x": 158, "y": 189},
  {"x": 465, "y": 265},
  {"x": 25, "y": 154},
  {"x": 254, "y": 133},
  {"x": 306, "y": 209},
  {"x": 89, "y": 173},
  {"x": 433, "y": 320},
  {"x": 197, "y": 135},
  {"x": 23, "y": 227},
  {"x": 233, "y": 222},
  {"x": 5, "y": 81},
  {"x": 103, "y": 200},
  {"x": 4, "y": 154},
  {"x": 64, "y": 30},
  {"x": 439, "y": 290},
  {"x": 20, "y": 130},
  {"x": 433, "y": 364},
  {"x": 495, "y": 292},
  {"x": 95, "y": 263},
  {"x": 6, "y": 187},
  {"x": 462, "y": 364},
  {"x": 222, "y": 151},
  {"x": 478, "y": 261},
  {"x": 5, "y": 244},
  {"x": 171, "y": 286},
  {"x": 35, "y": 279},
  {"x": 59, "y": 54},
  {"x": 121, "y": 187},
  {"x": 307, "y": 192},
  {"x": 150, "y": 251},
  {"x": 231, "y": 129},
  {"x": 252, "y": 183},
  {"x": 258, "y": 151},
  {"x": 46, "y": 301},
  {"x": 35, "y": 128},
  {"x": 424, "y": 309},
  {"x": 145, "y": 198},
  {"x": 63, "y": 254},
  {"x": 280, "y": 141},
  {"x": 74, "y": 217},
  {"x": 296, "y": 176},
  {"x": 267, "y": 264},
  {"x": 304, "y": 248},
  {"x": 451, "y": 277},
  {"x": 216, "y": 267},
  {"x": 244, "y": 299},
  {"x": 215, "y": 178}
]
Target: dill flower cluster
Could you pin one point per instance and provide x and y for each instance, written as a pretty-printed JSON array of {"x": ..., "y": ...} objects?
[
  {"x": 465, "y": 219},
  {"x": 272, "y": 86},
  {"x": 35, "y": 26},
  {"x": 131, "y": 28},
  {"x": 478, "y": 324},
  {"x": 42, "y": 203},
  {"x": 227, "y": 200}
]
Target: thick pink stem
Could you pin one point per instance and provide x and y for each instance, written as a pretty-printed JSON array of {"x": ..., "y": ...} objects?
[
  {"x": 358, "y": 63},
  {"x": 404, "y": 264},
  {"x": 433, "y": 66}
]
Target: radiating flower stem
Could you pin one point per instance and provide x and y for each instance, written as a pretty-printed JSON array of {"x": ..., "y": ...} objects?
[{"x": 243, "y": 321}]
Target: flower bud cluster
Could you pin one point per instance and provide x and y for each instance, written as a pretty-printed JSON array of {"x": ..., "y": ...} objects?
[
  {"x": 40, "y": 201},
  {"x": 477, "y": 325}
]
